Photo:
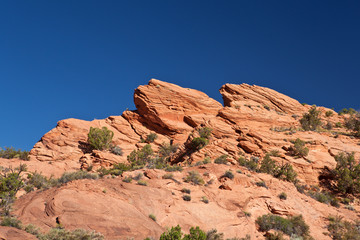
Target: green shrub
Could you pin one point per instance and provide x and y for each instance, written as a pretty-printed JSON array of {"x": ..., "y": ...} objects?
[
  {"x": 291, "y": 226},
  {"x": 350, "y": 111},
  {"x": 186, "y": 190},
  {"x": 166, "y": 150},
  {"x": 287, "y": 173},
  {"x": 100, "y": 139},
  {"x": 138, "y": 176},
  {"x": 198, "y": 143},
  {"x": 139, "y": 158},
  {"x": 168, "y": 176},
  {"x": 274, "y": 153},
  {"x": 187, "y": 198},
  {"x": 117, "y": 150},
  {"x": 62, "y": 234},
  {"x": 174, "y": 168},
  {"x": 299, "y": 149},
  {"x": 251, "y": 164},
  {"x": 277, "y": 236},
  {"x": 11, "y": 222},
  {"x": 195, "y": 178},
  {"x": 204, "y": 199},
  {"x": 142, "y": 183},
  {"x": 195, "y": 234},
  {"x": 283, "y": 196},
  {"x": 127, "y": 179},
  {"x": 329, "y": 113},
  {"x": 32, "y": 229},
  {"x": 228, "y": 174},
  {"x": 311, "y": 120},
  {"x": 343, "y": 230},
  {"x": 207, "y": 160},
  {"x": 71, "y": 176},
  {"x": 205, "y": 132},
  {"x": 347, "y": 173},
  {"x": 174, "y": 233},
  {"x": 152, "y": 217},
  {"x": 338, "y": 125},
  {"x": 261, "y": 184},
  {"x": 268, "y": 165},
  {"x": 151, "y": 137},
  {"x": 38, "y": 181},
  {"x": 214, "y": 235},
  {"x": 221, "y": 160},
  {"x": 353, "y": 123},
  {"x": 10, "y": 152}
]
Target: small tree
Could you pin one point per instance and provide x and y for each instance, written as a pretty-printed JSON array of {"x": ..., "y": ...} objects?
[
  {"x": 299, "y": 148},
  {"x": 100, "y": 139},
  {"x": 347, "y": 173},
  {"x": 311, "y": 120}
]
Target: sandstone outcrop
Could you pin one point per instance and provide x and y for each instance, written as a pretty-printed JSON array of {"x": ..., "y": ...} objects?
[{"x": 253, "y": 121}]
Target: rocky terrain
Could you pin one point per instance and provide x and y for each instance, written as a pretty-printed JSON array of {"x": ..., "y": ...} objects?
[{"x": 253, "y": 122}]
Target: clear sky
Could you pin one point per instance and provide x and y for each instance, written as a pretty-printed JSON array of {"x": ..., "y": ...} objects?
[{"x": 83, "y": 59}]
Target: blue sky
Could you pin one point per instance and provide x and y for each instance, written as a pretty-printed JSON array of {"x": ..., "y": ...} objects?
[{"x": 83, "y": 59}]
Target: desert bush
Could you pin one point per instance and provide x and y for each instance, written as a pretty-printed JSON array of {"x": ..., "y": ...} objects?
[
  {"x": 151, "y": 137},
  {"x": 139, "y": 158},
  {"x": 168, "y": 176},
  {"x": 328, "y": 126},
  {"x": 228, "y": 174},
  {"x": 204, "y": 199},
  {"x": 350, "y": 111},
  {"x": 261, "y": 184},
  {"x": 251, "y": 164},
  {"x": 214, "y": 235},
  {"x": 38, "y": 181},
  {"x": 152, "y": 217},
  {"x": 311, "y": 120},
  {"x": 63, "y": 234},
  {"x": 347, "y": 173},
  {"x": 329, "y": 113},
  {"x": 198, "y": 143},
  {"x": 195, "y": 234},
  {"x": 187, "y": 198},
  {"x": 174, "y": 168},
  {"x": 116, "y": 150},
  {"x": 353, "y": 123},
  {"x": 11, "y": 222},
  {"x": 299, "y": 149},
  {"x": 71, "y": 176},
  {"x": 100, "y": 139},
  {"x": 268, "y": 165},
  {"x": 142, "y": 183},
  {"x": 166, "y": 150},
  {"x": 221, "y": 160},
  {"x": 205, "y": 132},
  {"x": 186, "y": 190},
  {"x": 138, "y": 176},
  {"x": 274, "y": 153},
  {"x": 32, "y": 229},
  {"x": 174, "y": 233},
  {"x": 10, "y": 152},
  {"x": 343, "y": 230},
  {"x": 290, "y": 226},
  {"x": 195, "y": 178},
  {"x": 338, "y": 125},
  {"x": 127, "y": 179},
  {"x": 283, "y": 196},
  {"x": 287, "y": 173}
]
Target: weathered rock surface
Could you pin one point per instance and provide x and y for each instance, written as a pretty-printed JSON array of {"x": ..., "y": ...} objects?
[{"x": 255, "y": 120}]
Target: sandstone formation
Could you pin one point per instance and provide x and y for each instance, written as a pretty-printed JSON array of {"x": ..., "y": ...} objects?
[{"x": 253, "y": 121}]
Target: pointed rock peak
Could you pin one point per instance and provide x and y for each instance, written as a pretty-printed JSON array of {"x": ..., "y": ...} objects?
[{"x": 244, "y": 94}]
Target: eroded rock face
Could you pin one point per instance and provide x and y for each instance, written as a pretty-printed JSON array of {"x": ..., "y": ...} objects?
[{"x": 254, "y": 121}]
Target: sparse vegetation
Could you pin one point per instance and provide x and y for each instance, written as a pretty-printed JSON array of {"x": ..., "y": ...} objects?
[
  {"x": 186, "y": 190},
  {"x": 11, "y": 222},
  {"x": 299, "y": 149},
  {"x": 204, "y": 199},
  {"x": 228, "y": 174},
  {"x": 261, "y": 184},
  {"x": 251, "y": 164},
  {"x": 166, "y": 150},
  {"x": 347, "y": 173},
  {"x": 198, "y": 143},
  {"x": 139, "y": 158},
  {"x": 127, "y": 179},
  {"x": 10, "y": 152},
  {"x": 174, "y": 168},
  {"x": 221, "y": 160},
  {"x": 195, "y": 178},
  {"x": 349, "y": 111},
  {"x": 283, "y": 196},
  {"x": 329, "y": 113},
  {"x": 142, "y": 183},
  {"x": 100, "y": 139},
  {"x": 71, "y": 176},
  {"x": 151, "y": 137},
  {"x": 343, "y": 230},
  {"x": 311, "y": 120},
  {"x": 187, "y": 198},
  {"x": 152, "y": 217},
  {"x": 353, "y": 123},
  {"x": 290, "y": 226},
  {"x": 205, "y": 132},
  {"x": 168, "y": 176},
  {"x": 116, "y": 150}
]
